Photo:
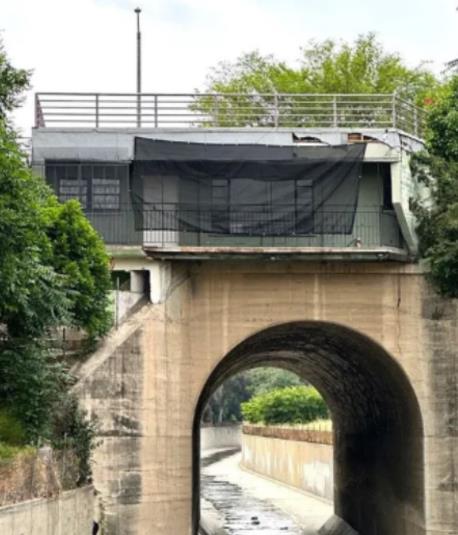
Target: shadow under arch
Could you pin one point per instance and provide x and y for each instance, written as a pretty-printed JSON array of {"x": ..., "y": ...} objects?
[{"x": 378, "y": 430}]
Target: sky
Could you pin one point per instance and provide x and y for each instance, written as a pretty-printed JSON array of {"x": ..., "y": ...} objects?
[{"x": 89, "y": 45}]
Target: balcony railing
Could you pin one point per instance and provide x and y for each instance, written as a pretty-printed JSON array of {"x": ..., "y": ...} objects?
[
  {"x": 368, "y": 229},
  {"x": 161, "y": 110}
]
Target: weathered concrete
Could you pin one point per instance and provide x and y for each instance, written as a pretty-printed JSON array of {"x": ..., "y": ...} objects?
[
  {"x": 240, "y": 495},
  {"x": 71, "y": 513},
  {"x": 224, "y": 436},
  {"x": 305, "y": 465},
  {"x": 124, "y": 302},
  {"x": 336, "y": 526},
  {"x": 373, "y": 338}
]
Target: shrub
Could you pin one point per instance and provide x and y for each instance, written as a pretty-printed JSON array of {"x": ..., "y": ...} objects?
[
  {"x": 294, "y": 405},
  {"x": 73, "y": 431},
  {"x": 12, "y": 432}
]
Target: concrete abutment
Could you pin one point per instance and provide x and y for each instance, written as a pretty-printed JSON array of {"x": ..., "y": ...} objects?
[{"x": 373, "y": 338}]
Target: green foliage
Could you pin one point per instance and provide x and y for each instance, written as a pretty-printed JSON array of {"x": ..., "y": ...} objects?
[
  {"x": 33, "y": 383},
  {"x": 265, "y": 379},
  {"x": 11, "y": 430},
  {"x": 32, "y": 294},
  {"x": 224, "y": 404},
  {"x": 8, "y": 452},
  {"x": 293, "y": 405},
  {"x": 443, "y": 124},
  {"x": 12, "y": 84},
  {"x": 79, "y": 254},
  {"x": 438, "y": 216},
  {"x": 53, "y": 272},
  {"x": 324, "y": 67},
  {"x": 72, "y": 430}
]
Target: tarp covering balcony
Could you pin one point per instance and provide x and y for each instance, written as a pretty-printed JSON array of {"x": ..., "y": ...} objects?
[{"x": 254, "y": 190}]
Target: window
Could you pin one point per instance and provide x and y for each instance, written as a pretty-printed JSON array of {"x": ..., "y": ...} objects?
[
  {"x": 70, "y": 185},
  {"x": 98, "y": 186}
]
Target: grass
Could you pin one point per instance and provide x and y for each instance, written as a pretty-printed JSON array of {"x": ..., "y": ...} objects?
[{"x": 8, "y": 452}]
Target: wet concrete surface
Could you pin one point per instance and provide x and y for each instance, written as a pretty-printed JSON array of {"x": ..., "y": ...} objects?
[{"x": 241, "y": 512}]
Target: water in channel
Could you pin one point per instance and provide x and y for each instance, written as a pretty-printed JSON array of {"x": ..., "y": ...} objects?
[{"x": 244, "y": 514}]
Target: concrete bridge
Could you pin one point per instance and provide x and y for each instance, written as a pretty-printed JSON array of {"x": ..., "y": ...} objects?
[
  {"x": 374, "y": 338},
  {"x": 288, "y": 244}
]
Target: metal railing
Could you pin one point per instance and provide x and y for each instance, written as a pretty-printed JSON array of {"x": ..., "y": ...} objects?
[
  {"x": 175, "y": 227},
  {"x": 158, "y": 110}
]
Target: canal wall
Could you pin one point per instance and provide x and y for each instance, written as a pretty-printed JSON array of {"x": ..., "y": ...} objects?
[
  {"x": 224, "y": 436},
  {"x": 300, "y": 458},
  {"x": 70, "y": 513}
]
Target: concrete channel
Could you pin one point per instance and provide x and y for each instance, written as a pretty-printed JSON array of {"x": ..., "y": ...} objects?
[{"x": 231, "y": 506}]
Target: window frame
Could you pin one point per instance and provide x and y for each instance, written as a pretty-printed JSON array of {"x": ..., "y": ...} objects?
[{"x": 87, "y": 198}]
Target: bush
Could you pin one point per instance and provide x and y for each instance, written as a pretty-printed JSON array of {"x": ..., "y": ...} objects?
[
  {"x": 12, "y": 432},
  {"x": 73, "y": 431},
  {"x": 9, "y": 453},
  {"x": 293, "y": 405},
  {"x": 33, "y": 382}
]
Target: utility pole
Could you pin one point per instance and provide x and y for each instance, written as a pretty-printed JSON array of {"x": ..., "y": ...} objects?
[{"x": 139, "y": 67}]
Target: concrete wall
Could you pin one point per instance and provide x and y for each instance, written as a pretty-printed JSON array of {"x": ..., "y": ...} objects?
[
  {"x": 229, "y": 436},
  {"x": 71, "y": 513},
  {"x": 147, "y": 385},
  {"x": 123, "y": 303},
  {"x": 307, "y": 466}
]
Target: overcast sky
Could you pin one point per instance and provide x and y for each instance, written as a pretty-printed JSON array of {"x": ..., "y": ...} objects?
[{"x": 89, "y": 45}]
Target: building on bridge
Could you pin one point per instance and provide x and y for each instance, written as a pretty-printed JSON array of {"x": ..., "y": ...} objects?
[
  {"x": 268, "y": 229},
  {"x": 146, "y": 187}
]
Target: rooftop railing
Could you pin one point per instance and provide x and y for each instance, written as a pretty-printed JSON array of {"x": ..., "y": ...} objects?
[{"x": 275, "y": 110}]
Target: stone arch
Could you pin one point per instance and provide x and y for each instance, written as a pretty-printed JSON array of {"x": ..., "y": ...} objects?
[{"x": 378, "y": 429}]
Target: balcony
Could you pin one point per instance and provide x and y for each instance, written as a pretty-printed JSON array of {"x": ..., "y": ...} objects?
[
  {"x": 368, "y": 233},
  {"x": 207, "y": 110}
]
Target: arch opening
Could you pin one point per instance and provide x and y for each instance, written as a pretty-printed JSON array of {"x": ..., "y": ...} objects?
[{"x": 378, "y": 432}]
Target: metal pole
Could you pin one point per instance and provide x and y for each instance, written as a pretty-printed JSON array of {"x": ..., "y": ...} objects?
[{"x": 139, "y": 66}]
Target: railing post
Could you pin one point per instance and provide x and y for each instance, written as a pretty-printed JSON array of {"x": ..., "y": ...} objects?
[
  {"x": 335, "y": 120},
  {"x": 216, "y": 110},
  {"x": 156, "y": 112},
  {"x": 393, "y": 111},
  {"x": 139, "y": 111},
  {"x": 276, "y": 110},
  {"x": 97, "y": 110}
]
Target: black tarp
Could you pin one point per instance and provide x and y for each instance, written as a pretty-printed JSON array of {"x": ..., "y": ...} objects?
[{"x": 257, "y": 190}]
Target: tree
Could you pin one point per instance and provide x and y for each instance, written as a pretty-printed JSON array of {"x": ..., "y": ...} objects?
[
  {"x": 54, "y": 271},
  {"x": 13, "y": 83},
  {"x": 437, "y": 217},
  {"x": 225, "y": 403},
  {"x": 324, "y": 67},
  {"x": 79, "y": 255}
]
